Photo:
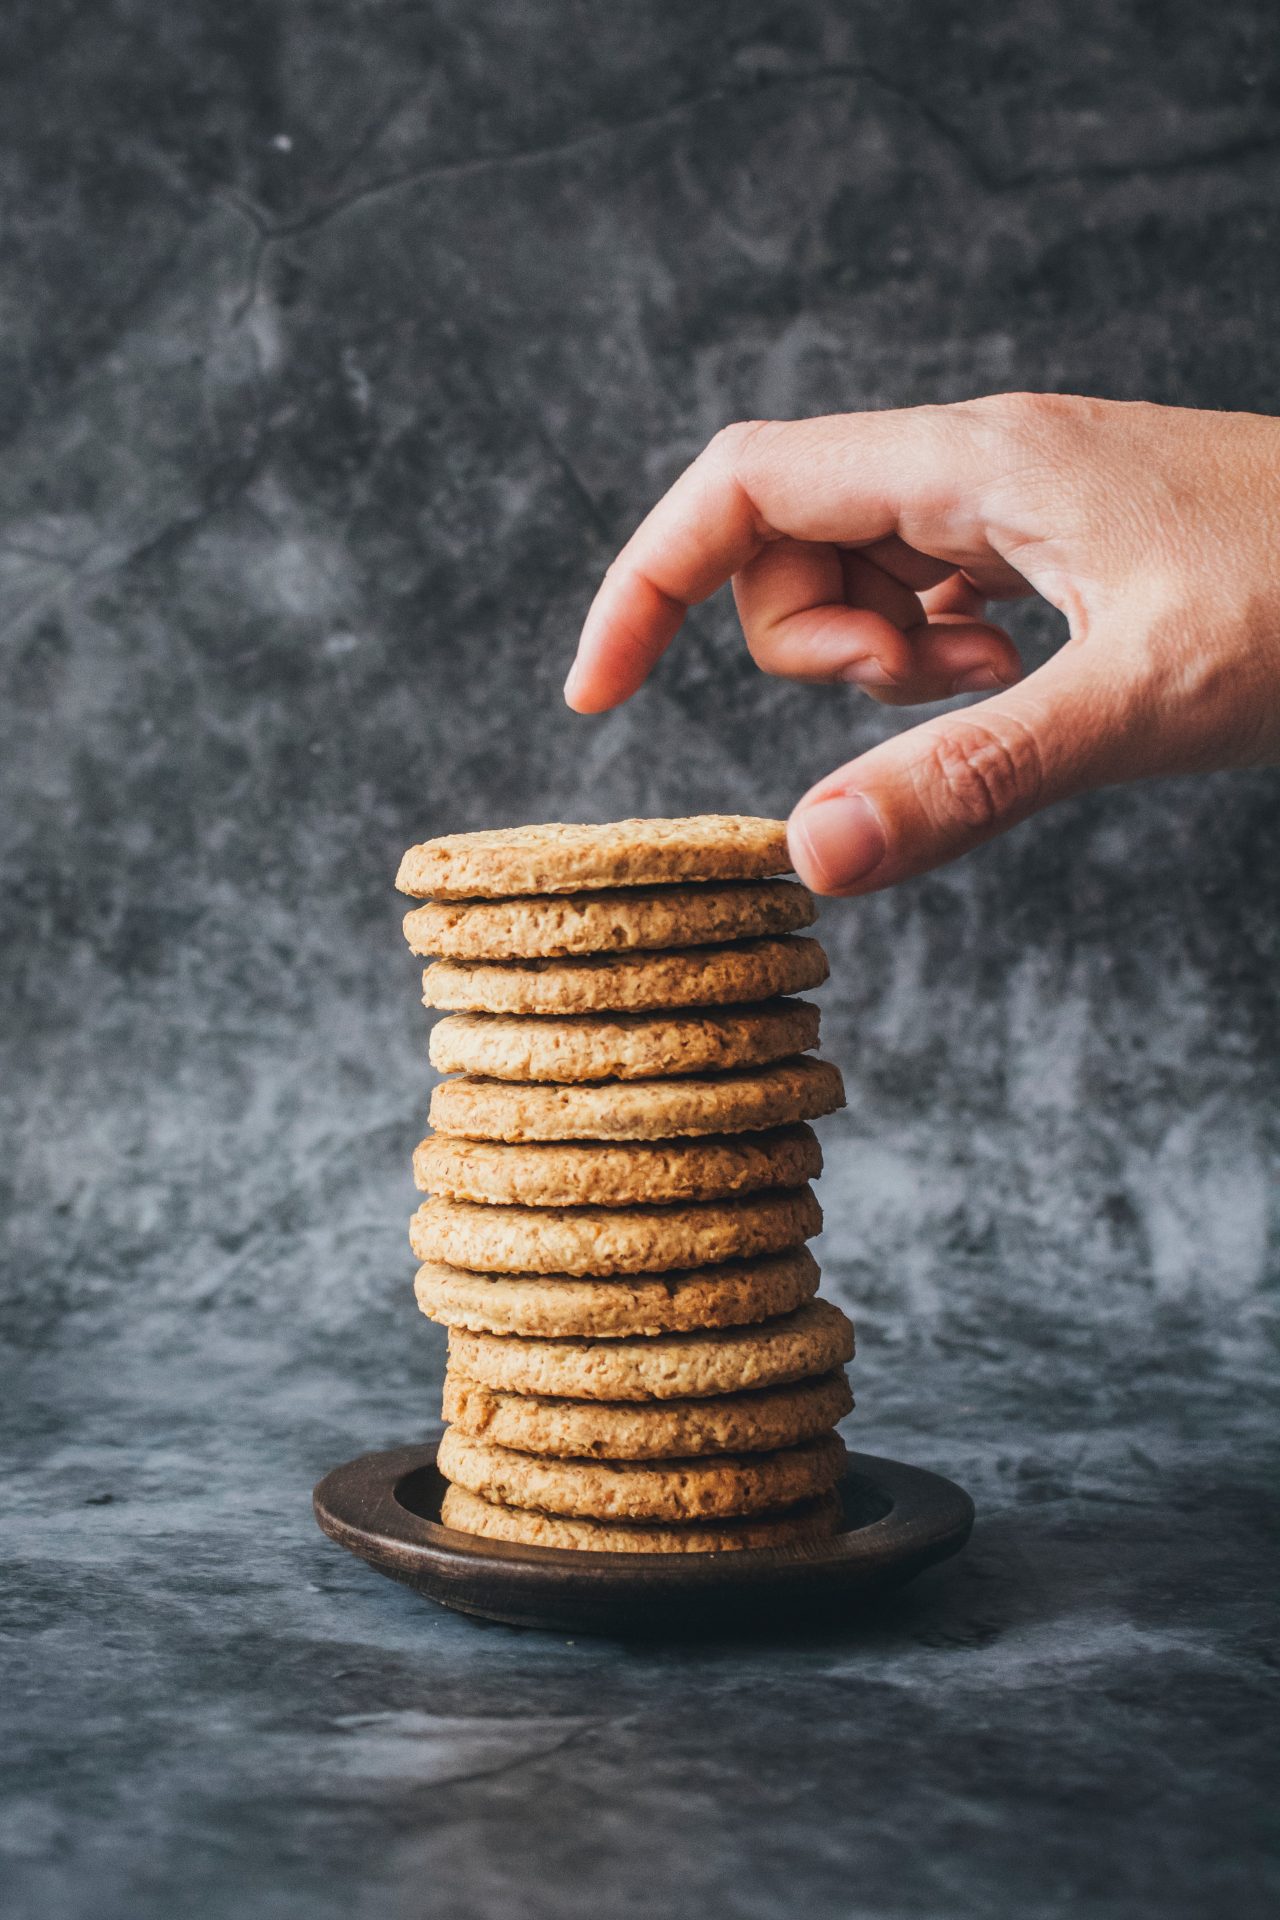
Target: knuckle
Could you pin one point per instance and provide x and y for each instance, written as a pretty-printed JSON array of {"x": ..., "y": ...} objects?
[
  {"x": 730, "y": 443},
  {"x": 978, "y": 777},
  {"x": 1023, "y": 420}
]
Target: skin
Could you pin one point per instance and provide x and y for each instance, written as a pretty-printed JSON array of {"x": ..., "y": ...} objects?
[{"x": 865, "y": 548}]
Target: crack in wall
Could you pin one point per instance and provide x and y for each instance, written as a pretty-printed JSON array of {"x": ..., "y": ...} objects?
[{"x": 1244, "y": 146}]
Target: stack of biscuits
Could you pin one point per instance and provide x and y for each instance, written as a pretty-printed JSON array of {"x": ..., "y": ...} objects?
[{"x": 618, "y": 1178}]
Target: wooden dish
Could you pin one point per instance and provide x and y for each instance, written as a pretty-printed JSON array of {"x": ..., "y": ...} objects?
[{"x": 897, "y": 1521}]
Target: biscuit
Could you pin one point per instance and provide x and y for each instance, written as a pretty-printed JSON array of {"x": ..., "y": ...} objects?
[
  {"x": 737, "y": 1293},
  {"x": 745, "y": 1100},
  {"x": 561, "y": 858},
  {"x": 721, "y": 1488},
  {"x": 540, "y": 927},
  {"x": 622, "y": 1046},
  {"x": 669, "y": 1366},
  {"x": 468, "y": 1513},
  {"x": 577, "y": 1173},
  {"x": 608, "y": 1240},
  {"x": 622, "y": 1430},
  {"x": 628, "y": 982}
]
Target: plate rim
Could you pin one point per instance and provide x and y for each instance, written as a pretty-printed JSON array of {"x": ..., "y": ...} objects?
[{"x": 930, "y": 1517}]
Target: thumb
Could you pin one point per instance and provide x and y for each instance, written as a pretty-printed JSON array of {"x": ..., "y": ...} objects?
[{"x": 929, "y": 795}]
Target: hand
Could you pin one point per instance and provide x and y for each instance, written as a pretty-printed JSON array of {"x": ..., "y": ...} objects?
[{"x": 864, "y": 548}]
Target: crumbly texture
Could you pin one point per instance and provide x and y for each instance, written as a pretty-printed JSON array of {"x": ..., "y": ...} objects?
[
  {"x": 607, "y": 1240},
  {"x": 738, "y": 1293},
  {"x": 578, "y": 1173},
  {"x": 542, "y": 927},
  {"x": 628, "y": 982},
  {"x": 813, "y": 1521},
  {"x": 671, "y": 1366},
  {"x": 622, "y": 1430},
  {"x": 709, "y": 1489},
  {"x": 563, "y": 858},
  {"x": 622, "y": 1046},
  {"x": 743, "y": 1101}
]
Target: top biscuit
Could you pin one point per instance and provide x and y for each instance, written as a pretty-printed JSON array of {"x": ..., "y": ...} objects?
[{"x": 560, "y": 858}]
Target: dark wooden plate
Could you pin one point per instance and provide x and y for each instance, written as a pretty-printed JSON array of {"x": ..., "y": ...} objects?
[{"x": 898, "y": 1520}]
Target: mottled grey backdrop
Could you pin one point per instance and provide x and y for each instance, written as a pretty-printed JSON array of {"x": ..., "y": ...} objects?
[{"x": 341, "y": 342}]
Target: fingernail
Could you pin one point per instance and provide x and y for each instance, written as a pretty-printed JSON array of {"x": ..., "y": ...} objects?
[
  {"x": 978, "y": 680},
  {"x": 864, "y": 673},
  {"x": 838, "y": 841},
  {"x": 572, "y": 684}
]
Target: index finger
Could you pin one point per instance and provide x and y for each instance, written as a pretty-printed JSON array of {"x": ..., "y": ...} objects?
[{"x": 847, "y": 479}]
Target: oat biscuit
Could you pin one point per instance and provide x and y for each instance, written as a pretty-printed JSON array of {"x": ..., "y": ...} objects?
[
  {"x": 745, "y": 1100},
  {"x": 720, "y": 1488},
  {"x": 744, "y": 970},
  {"x": 469, "y": 1513},
  {"x": 570, "y": 858},
  {"x": 669, "y": 1366},
  {"x": 621, "y": 1430},
  {"x": 576, "y": 1173},
  {"x": 549, "y": 926},
  {"x": 622, "y": 1046},
  {"x": 738, "y": 1293},
  {"x": 608, "y": 1240}
]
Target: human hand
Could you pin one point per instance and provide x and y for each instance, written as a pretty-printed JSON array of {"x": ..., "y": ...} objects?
[{"x": 864, "y": 547}]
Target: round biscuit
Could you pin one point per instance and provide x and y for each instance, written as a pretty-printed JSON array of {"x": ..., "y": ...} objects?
[
  {"x": 622, "y": 1430},
  {"x": 574, "y": 1173},
  {"x": 622, "y": 1046},
  {"x": 609, "y": 1240},
  {"x": 744, "y": 970},
  {"x": 737, "y": 1293},
  {"x": 469, "y": 1513},
  {"x": 563, "y": 857},
  {"x": 719, "y": 1488},
  {"x": 812, "y": 1339},
  {"x": 744, "y": 1100},
  {"x": 541, "y": 927}
]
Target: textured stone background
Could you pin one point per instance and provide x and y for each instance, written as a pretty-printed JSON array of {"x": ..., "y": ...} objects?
[{"x": 340, "y": 344}]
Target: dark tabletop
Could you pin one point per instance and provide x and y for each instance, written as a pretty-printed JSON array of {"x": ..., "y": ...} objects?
[{"x": 341, "y": 345}]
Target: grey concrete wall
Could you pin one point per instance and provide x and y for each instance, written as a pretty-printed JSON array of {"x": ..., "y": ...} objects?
[{"x": 339, "y": 349}]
